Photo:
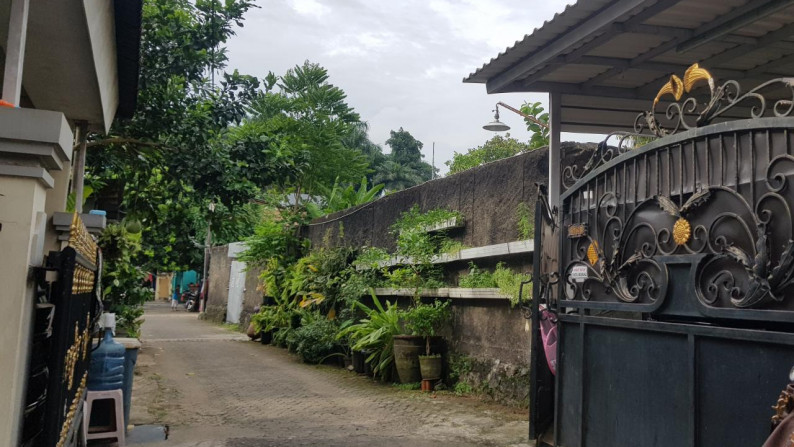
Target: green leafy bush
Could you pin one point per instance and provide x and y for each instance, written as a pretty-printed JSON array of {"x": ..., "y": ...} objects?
[
  {"x": 476, "y": 278},
  {"x": 525, "y": 221},
  {"x": 374, "y": 333},
  {"x": 122, "y": 277},
  {"x": 509, "y": 283},
  {"x": 425, "y": 319},
  {"x": 315, "y": 340}
]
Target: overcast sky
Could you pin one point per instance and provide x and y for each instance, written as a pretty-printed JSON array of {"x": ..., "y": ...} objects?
[{"x": 401, "y": 62}]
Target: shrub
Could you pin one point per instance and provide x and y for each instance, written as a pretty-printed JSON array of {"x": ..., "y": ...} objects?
[
  {"x": 314, "y": 341},
  {"x": 476, "y": 278},
  {"x": 425, "y": 319},
  {"x": 374, "y": 333},
  {"x": 509, "y": 283}
]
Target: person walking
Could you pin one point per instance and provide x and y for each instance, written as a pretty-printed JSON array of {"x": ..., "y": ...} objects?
[{"x": 175, "y": 299}]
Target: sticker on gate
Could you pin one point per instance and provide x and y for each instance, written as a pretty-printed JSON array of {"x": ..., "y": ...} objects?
[{"x": 579, "y": 273}]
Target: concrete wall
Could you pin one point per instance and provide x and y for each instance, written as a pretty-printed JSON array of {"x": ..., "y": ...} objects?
[
  {"x": 252, "y": 297},
  {"x": 220, "y": 268},
  {"x": 488, "y": 197}
]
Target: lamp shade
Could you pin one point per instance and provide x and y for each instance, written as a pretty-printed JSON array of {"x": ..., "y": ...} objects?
[{"x": 496, "y": 126}]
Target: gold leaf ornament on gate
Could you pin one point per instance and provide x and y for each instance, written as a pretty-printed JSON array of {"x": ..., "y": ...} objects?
[
  {"x": 682, "y": 228},
  {"x": 592, "y": 253},
  {"x": 673, "y": 87},
  {"x": 682, "y": 231}
]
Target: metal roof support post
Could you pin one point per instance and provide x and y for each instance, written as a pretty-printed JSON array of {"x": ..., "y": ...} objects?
[
  {"x": 78, "y": 176},
  {"x": 15, "y": 51},
  {"x": 555, "y": 156}
]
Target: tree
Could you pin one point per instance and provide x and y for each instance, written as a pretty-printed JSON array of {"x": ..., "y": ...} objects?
[
  {"x": 540, "y": 134},
  {"x": 405, "y": 149},
  {"x": 404, "y": 166},
  {"x": 294, "y": 137},
  {"x": 165, "y": 161},
  {"x": 496, "y": 148}
]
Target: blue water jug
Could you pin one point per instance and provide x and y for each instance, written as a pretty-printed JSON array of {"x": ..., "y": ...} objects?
[{"x": 107, "y": 365}]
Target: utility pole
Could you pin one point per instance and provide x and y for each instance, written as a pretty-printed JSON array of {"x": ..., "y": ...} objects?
[{"x": 434, "y": 161}]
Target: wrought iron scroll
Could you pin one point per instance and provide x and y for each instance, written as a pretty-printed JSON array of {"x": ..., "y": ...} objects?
[
  {"x": 721, "y": 99},
  {"x": 721, "y": 200}
]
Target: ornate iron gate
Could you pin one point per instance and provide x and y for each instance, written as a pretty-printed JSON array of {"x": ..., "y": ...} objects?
[
  {"x": 676, "y": 265},
  {"x": 76, "y": 306}
]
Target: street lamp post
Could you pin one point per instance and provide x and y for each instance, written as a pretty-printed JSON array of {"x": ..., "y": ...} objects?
[
  {"x": 498, "y": 126},
  {"x": 207, "y": 245},
  {"x": 554, "y": 140}
]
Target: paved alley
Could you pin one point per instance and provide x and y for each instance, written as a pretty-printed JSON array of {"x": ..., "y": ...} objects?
[{"x": 212, "y": 388}]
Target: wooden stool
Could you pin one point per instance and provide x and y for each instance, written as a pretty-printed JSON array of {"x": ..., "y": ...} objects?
[{"x": 116, "y": 432}]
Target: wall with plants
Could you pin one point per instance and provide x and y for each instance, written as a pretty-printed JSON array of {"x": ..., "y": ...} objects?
[
  {"x": 490, "y": 196},
  {"x": 349, "y": 284}
]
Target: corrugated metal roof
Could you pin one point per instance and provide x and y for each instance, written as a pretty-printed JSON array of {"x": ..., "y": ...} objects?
[{"x": 628, "y": 48}]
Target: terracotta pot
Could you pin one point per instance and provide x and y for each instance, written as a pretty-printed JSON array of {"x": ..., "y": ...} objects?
[{"x": 430, "y": 367}]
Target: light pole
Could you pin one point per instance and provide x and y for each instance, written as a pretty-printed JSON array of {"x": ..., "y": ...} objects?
[{"x": 207, "y": 245}]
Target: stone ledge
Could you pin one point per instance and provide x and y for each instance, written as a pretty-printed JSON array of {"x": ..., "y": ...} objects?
[{"x": 39, "y": 134}]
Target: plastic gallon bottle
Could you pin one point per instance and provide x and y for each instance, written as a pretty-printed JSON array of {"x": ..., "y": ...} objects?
[{"x": 107, "y": 365}]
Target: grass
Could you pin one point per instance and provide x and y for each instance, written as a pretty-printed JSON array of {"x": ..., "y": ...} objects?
[
  {"x": 407, "y": 386},
  {"x": 231, "y": 326}
]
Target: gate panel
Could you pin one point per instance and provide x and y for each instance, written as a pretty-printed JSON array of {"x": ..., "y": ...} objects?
[
  {"x": 628, "y": 383},
  {"x": 727, "y": 385}
]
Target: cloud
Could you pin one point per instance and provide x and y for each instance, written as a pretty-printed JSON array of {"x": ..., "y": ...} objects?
[
  {"x": 400, "y": 62},
  {"x": 309, "y": 7}
]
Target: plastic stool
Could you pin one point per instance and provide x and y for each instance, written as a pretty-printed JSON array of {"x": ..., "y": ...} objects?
[{"x": 116, "y": 432}]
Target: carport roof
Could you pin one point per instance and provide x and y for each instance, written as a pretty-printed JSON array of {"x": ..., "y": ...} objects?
[{"x": 607, "y": 59}]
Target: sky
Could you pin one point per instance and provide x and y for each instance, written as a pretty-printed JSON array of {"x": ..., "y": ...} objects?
[{"x": 401, "y": 62}]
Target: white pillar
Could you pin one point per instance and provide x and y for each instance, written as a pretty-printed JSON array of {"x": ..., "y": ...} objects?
[
  {"x": 15, "y": 51},
  {"x": 555, "y": 156},
  {"x": 33, "y": 143}
]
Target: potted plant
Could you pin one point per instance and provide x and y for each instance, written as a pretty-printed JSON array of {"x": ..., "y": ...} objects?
[
  {"x": 425, "y": 320},
  {"x": 374, "y": 334}
]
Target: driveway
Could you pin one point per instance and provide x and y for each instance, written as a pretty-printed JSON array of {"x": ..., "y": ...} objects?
[{"x": 212, "y": 388}]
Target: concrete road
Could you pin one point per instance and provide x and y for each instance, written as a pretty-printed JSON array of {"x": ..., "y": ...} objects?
[{"x": 214, "y": 388}]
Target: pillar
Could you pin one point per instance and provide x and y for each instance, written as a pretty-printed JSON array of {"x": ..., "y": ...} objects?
[{"x": 33, "y": 144}]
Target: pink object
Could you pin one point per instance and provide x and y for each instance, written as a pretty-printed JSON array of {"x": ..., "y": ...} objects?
[{"x": 548, "y": 335}]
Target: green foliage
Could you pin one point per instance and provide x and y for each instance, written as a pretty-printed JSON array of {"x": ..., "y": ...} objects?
[
  {"x": 407, "y": 386},
  {"x": 129, "y": 319},
  {"x": 122, "y": 278},
  {"x": 403, "y": 167},
  {"x": 370, "y": 257},
  {"x": 525, "y": 221},
  {"x": 540, "y": 134},
  {"x": 425, "y": 319},
  {"x": 496, "y": 148},
  {"x": 509, "y": 283},
  {"x": 476, "y": 278},
  {"x": 459, "y": 366},
  {"x": 165, "y": 163},
  {"x": 339, "y": 198},
  {"x": 315, "y": 339},
  {"x": 274, "y": 237},
  {"x": 414, "y": 220},
  {"x": 374, "y": 333},
  {"x": 462, "y": 389}
]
